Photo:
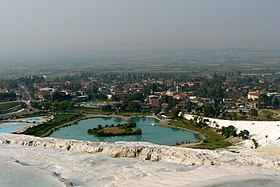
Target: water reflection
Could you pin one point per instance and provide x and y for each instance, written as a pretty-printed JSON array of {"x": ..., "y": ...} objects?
[{"x": 118, "y": 120}]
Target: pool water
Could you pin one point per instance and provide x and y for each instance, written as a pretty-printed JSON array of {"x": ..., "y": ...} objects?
[
  {"x": 7, "y": 124},
  {"x": 92, "y": 105},
  {"x": 34, "y": 120},
  {"x": 150, "y": 133},
  {"x": 12, "y": 128}
]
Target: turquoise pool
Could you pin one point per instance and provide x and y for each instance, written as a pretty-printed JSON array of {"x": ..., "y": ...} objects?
[
  {"x": 150, "y": 133},
  {"x": 94, "y": 105},
  {"x": 34, "y": 120},
  {"x": 13, "y": 128}
]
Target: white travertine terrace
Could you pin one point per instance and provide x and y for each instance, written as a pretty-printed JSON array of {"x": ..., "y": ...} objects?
[
  {"x": 82, "y": 163},
  {"x": 148, "y": 151}
]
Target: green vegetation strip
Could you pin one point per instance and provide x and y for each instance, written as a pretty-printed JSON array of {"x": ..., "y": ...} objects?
[
  {"x": 10, "y": 107},
  {"x": 87, "y": 110},
  {"x": 47, "y": 128},
  {"x": 210, "y": 138}
]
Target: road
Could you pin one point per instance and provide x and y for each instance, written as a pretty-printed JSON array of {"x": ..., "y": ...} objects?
[{"x": 26, "y": 97}]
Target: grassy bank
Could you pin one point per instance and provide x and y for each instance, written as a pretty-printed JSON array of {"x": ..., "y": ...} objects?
[
  {"x": 47, "y": 128},
  {"x": 88, "y": 110},
  {"x": 210, "y": 138}
]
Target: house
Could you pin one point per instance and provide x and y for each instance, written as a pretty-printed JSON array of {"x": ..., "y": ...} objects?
[
  {"x": 193, "y": 83},
  {"x": 119, "y": 93},
  {"x": 254, "y": 95},
  {"x": 47, "y": 89},
  {"x": 179, "y": 96},
  {"x": 153, "y": 100},
  {"x": 169, "y": 92},
  {"x": 253, "y": 104},
  {"x": 43, "y": 95},
  {"x": 104, "y": 91},
  {"x": 229, "y": 103},
  {"x": 164, "y": 105},
  {"x": 273, "y": 94},
  {"x": 206, "y": 100}
]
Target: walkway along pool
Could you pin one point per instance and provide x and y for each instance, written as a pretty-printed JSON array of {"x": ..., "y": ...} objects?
[{"x": 150, "y": 133}]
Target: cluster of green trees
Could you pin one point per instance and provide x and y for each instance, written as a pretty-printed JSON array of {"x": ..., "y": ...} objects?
[
  {"x": 231, "y": 131},
  {"x": 169, "y": 100},
  {"x": 130, "y": 101},
  {"x": 59, "y": 96},
  {"x": 200, "y": 122},
  {"x": 107, "y": 108},
  {"x": 8, "y": 96},
  {"x": 123, "y": 129},
  {"x": 213, "y": 111},
  {"x": 228, "y": 131},
  {"x": 269, "y": 101},
  {"x": 8, "y": 84},
  {"x": 56, "y": 106},
  {"x": 210, "y": 110},
  {"x": 123, "y": 126},
  {"x": 244, "y": 134},
  {"x": 225, "y": 131}
]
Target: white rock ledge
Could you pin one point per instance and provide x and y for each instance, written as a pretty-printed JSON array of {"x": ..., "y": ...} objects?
[{"x": 148, "y": 151}]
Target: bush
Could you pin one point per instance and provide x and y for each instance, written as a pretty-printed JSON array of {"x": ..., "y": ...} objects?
[
  {"x": 244, "y": 134},
  {"x": 267, "y": 114},
  {"x": 228, "y": 131},
  {"x": 138, "y": 131},
  {"x": 99, "y": 127},
  {"x": 253, "y": 112},
  {"x": 7, "y": 96}
]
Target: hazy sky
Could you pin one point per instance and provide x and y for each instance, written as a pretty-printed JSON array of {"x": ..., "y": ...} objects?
[{"x": 31, "y": 25}]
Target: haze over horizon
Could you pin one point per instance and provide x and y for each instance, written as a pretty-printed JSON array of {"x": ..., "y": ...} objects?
[{"x": 68, "y": 27}]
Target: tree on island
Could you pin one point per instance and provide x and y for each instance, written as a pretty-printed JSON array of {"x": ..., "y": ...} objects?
[
  {"x": 116, "y": 130},
  {"x": 107, "y": 108}
]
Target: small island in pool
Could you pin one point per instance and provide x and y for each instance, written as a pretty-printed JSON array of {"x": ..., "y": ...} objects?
[{"x": 116, "y": 130}]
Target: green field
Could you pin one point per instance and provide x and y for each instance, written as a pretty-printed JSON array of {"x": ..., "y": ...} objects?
[
  {"x": 210, "y": 138},
  {"x": 10, "y": 107},
  {"x": 88, "y": 110}
]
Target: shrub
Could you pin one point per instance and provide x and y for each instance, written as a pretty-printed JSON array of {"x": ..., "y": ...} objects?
[
  {"x": 244, "y": 134},
  {"x": 138, "y": 131},
  {"x": 255, "y": 143},
  {"x": 228, "y": 131}
]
